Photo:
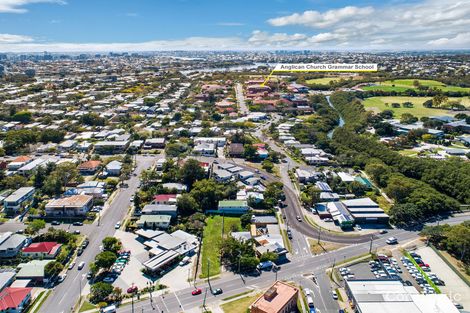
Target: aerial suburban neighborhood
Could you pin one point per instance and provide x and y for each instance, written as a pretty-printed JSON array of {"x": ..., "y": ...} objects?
[{"x": 210, "y": 179}]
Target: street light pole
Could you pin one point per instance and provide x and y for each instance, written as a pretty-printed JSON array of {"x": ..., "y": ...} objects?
[{"x": 371, "y": 240}]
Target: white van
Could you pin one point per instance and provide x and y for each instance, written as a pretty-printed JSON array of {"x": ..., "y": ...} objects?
[
  {"x": 185, "y": 261},
  {"x": 310, "y": 301},
  {"x": 109, "y": 309}
]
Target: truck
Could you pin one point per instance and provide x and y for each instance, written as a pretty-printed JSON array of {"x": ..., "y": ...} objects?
[{"x": 267, "y": 265}]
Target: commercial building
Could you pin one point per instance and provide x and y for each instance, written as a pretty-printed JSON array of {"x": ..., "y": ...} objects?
[
  {"x": 165, "y": 249},
  {"x": 372, "y": 296},
  {"x": 364, "y": 211},
  {"x": 279, "y": 298}
]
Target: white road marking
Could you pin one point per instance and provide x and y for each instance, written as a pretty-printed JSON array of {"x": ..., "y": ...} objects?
[{"x": 179, "y": 302}]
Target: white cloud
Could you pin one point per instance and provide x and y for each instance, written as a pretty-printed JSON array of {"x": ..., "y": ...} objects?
[
  {"x": 9, "y": 38},
  {"x": 17, "y": 6},
  {"x": 427, "y": 24},
  {"x": 321, "y": 20},
  {"x": 459, "y": 41}
]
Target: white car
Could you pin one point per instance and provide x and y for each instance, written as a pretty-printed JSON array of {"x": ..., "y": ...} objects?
[
  {"x": 392, "y": 241},
  {"x": 307, "y": 292},
  {"x": 61, "y": 278},
  {"x": 118, "y": 225}
]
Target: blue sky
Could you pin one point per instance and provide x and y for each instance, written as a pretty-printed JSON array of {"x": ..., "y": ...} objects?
[{"x": 95, "y": 25}]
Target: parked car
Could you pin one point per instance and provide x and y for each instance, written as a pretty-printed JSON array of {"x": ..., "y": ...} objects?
[
  {"x": 61, "y": 278},
  {"x": 71, "y": 265},
  {"x": 55, "y": 223},
  {"x": 383, "y": 231},
  {"x": 76, "y": 232},
  {"x": 334, "y": 295},
  {"x": 77, "y": 224},
  {"x": 196, "y": 291},
  {"x": 118, "y": 225},
  {"x": 109, "y": 279},
  {"x": 81, "y": 265},
  {"x": 132, "y": 289}
]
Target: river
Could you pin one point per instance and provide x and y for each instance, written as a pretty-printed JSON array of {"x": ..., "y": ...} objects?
[{"x": 340, "y": 121}]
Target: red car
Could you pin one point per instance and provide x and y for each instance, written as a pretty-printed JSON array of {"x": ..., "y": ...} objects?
[
  {"x": 132, "y": 289},
  {"x": 196, "y": 292}
]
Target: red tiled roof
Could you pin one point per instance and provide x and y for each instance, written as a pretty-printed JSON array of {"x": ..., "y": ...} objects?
[
  {"x": 11, "y": 298},
  {"x": 161, "y": 198},
  {"x": 90, "y": 164},
  {"x": 22, "y": 158},
  {"x": 44, "y": 247}
]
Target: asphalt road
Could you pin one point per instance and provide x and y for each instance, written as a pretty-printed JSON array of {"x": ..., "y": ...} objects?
[
  {"x": 295, "y": 271},
  {"x": 65, "y": 295},
  {"x": 241, "y": 99}
]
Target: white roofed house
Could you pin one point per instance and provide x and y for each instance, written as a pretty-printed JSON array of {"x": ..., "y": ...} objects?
[
  {"x": 113, "y": 168},
  {"x": 18, "y": 199},
  {"x": 205, "y": 149}
]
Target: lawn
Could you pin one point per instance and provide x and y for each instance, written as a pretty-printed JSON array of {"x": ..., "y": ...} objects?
[
  {"x": 379, "y": 104},
  {"x": 323, "y": 246},
  {"x": 86, "y": 306},
  {"x": 239, "y": 306},
  {"x": 212, "y": 238},
  {"x": 404, "y": 84}
]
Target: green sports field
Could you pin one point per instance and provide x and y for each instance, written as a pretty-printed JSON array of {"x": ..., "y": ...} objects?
[
  {"x": 379, "y": 104},
  {"x": 404, "y": 84}
]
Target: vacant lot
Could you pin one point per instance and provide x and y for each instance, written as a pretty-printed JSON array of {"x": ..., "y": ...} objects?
[
  {"x": 379, "y": 104},
  {"x": 404, "y": 84},
  {"x": 212, "y": 239},
  {"x": 240, "y": 305}
]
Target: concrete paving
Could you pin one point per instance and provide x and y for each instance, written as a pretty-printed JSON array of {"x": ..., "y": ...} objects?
[{"x": 455, "y": 287}]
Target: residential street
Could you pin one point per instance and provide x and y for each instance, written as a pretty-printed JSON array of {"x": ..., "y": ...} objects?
[{"x": 65, "y": 295}]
